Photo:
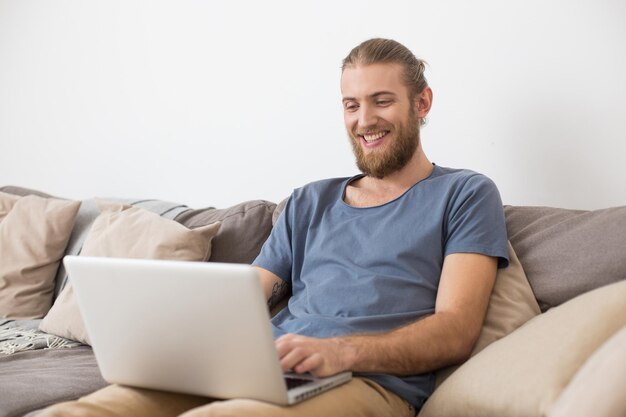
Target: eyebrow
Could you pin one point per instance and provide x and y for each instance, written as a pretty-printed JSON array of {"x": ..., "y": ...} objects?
[{"x": 374, "y": 95}]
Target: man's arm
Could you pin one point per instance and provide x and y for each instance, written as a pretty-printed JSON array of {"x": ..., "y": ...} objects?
[
  {"x": 274, "y": 288},
  {"x": 441, "y": 339}
]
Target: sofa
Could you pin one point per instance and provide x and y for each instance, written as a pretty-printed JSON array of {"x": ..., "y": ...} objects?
[{"x": 553, "y": 342}]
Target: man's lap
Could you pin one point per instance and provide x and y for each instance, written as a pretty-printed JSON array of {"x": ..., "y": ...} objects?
[
  {"x": 359, "y": 397},
  {"x": 117, "y": 400}
]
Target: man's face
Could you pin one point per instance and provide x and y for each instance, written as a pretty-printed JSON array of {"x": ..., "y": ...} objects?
[{"x": 379, "y": 117}]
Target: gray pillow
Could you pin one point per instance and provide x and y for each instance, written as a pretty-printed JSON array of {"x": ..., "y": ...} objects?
[
  {"x": 21, "y": 191},
  {"x": 568, "y": 252},
  {"x": 244, "y": 229}
]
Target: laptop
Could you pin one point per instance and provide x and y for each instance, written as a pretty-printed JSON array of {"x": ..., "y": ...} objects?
[{"x": 191, "y": 327}]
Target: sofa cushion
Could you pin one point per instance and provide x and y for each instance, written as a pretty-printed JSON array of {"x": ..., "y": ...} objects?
[
  {"x": 524, "y": 373},
  {"x": 512, "y": 303},
  {"x": 38, "y": 378},
  {"x": 34, "y": 232},
  {"x": 124, "y": 231},
  {"x": 244, "y": 229},
  {"x": 597, "y": 389},
  {"x": 568, "y": 252}
]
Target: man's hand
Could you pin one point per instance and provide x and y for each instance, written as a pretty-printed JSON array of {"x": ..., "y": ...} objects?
[{"x": 320, "y": 357}]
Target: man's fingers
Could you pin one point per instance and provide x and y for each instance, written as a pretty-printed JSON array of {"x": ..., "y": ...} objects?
[
  {"x": 302, "y": 354},
  {"x": 292, "y": 358},
  {"x": 285, "y": 343},
  {"x": 310, "y": 364}
]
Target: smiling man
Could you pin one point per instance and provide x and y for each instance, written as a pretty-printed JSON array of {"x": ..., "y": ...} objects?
[{"x": 390, "y": 270}]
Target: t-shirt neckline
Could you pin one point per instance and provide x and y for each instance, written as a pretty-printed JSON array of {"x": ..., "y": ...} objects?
[{"x": 358, "y": 176}]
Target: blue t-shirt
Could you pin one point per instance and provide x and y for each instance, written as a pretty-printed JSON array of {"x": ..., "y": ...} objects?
[{"x": 364, "y": 270}]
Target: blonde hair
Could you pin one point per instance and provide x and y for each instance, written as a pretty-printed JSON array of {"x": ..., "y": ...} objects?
[{"x": 380, "y": 50}]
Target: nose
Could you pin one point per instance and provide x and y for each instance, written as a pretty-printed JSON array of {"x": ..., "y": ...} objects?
[{"x": 367, "y": 116}]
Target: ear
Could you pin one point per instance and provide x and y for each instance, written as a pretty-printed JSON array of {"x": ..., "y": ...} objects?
[{"x": 423, "y": 102}]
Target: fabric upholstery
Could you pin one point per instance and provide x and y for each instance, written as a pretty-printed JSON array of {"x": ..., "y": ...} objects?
[
  {"x": 38, "y": 378},
  {"x": 21, "y": 191},
  {"x": 34, "y": 232},
  {"x": 568, "y": 252},
  {"x": 244, "y": 229},
  {"x": 89, "y": 211},
  {"x": 86, "y": 215},
  {"x": 523, "y": 374},
  {"x": 278, "y": 210},
  {"x": 128, "y": 232},
  {"x": 597, "y": 389}
]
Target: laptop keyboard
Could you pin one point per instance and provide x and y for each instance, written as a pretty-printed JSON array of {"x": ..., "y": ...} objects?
[{"x": 296, "y": 382}]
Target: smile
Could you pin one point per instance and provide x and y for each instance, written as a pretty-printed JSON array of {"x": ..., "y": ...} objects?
[{"x": 373, "y": 137}]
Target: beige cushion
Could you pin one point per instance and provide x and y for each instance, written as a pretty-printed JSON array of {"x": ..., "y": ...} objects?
[
  {"x": 597, "y": 389},
  {"x": 512, "y": 303},
  {"x": 524, "y": 373},
  {"x": 34, "y": 232},
  {"x": 124, "y": 231}
]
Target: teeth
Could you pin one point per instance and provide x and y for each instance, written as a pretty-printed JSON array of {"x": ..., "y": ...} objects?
[{"x": 373, "y": 137}]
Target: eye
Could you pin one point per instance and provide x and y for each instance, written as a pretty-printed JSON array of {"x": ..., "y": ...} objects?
[
  {"x": 383, "y": 103},
  {"x": 350, "y": 106}
]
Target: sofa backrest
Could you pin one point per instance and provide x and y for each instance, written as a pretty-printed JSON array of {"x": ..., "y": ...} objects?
[
  {"x": 568, "y": 252},
  {"x": 244, "y": 228},
  {"x": 564, "y": 252}
]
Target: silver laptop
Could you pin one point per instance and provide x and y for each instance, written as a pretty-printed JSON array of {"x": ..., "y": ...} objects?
[{"x": 192, "y": 327}]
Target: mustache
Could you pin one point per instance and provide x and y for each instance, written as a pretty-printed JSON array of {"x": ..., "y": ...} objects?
[{"x": 369, "y": 131}]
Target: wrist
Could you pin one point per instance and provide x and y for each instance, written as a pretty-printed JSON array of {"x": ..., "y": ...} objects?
[{"x": 350, "y": 352}]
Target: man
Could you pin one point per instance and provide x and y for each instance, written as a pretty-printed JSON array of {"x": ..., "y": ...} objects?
[{"x": 390, "y": 270}]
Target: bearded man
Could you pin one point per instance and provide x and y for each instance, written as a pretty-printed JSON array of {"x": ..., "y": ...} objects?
[{"x": 390, "y": 270}]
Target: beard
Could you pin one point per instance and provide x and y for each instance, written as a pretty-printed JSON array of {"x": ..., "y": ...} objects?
[{"x": 395, "y": 156}]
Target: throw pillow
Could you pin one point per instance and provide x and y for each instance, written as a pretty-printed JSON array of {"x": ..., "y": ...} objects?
[
  {"x": 512, "y": 303},
  {"x": 34, "y": 232},
  {"x": 124, "y": 231},
  {"x": 597, "y": 389},
  {"x": 244, "y": 229},
  {"x": 523, "y": 374}
]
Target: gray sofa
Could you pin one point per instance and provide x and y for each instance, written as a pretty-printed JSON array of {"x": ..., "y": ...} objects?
[{"x": 559, "y": 352}]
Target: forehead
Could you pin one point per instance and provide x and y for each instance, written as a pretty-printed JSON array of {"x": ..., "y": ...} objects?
[{"x": 364, "y": 80}]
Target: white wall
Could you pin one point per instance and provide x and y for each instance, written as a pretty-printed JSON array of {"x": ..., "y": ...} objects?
[{"x": 213, "y": 103}]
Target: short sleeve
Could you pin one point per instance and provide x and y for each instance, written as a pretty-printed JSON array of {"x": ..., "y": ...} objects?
[
  {"x": 476, "y": 221},
  {"x": 276, "y": 254}
]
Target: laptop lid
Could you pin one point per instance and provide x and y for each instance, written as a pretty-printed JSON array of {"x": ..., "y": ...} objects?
[{"x": 191, "y": 327}]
